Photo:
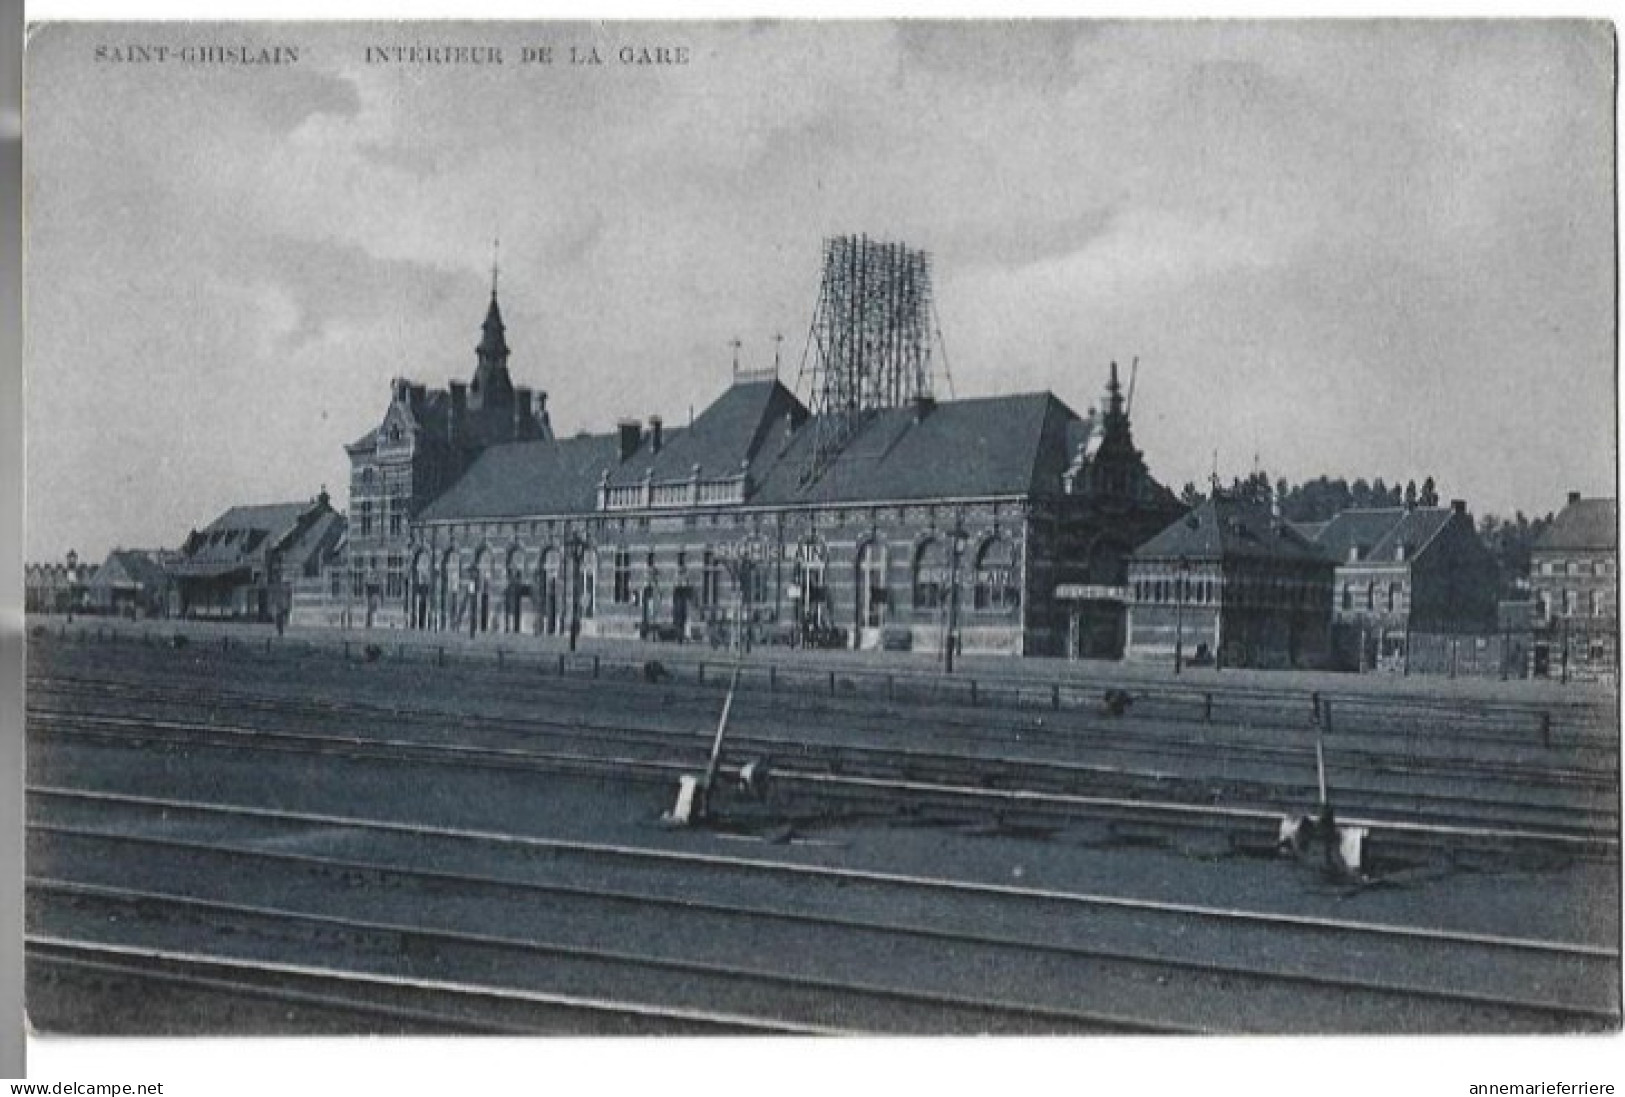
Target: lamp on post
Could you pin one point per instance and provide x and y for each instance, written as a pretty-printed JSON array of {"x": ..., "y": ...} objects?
[
  {"x": 575, "y": 548},
  {"x": 957, "y": 536},
  {"x": 743, "y": 575},
  {"x": 1182, "y": 572}
]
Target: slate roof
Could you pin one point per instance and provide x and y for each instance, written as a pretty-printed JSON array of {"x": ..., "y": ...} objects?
[
  {"x": 1379, "y": 530},
  {"x": 1000, "y": 445},
  {"x": 994, "y": 446},
  {"x": 239, "y": 539},
  {"x": 317, "y": 540},
  {"x": 1584, "y": 524},
  {"x": 1230, "y": 529},
  {"x": 727, "y": 434},
  {"x": 127, "y": 568},
  {"x": 552, "y": 476}
]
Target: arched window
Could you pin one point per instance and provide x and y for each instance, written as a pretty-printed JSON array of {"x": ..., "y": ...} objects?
[
  {"x": 710, "y": 579},
  {"x": 1348, "y": 596},
  {"x": 1371, "y": 595},
  {"x": 932, "y": 575},
  {"x": 871, "y": 580},
  {"x": 997, "y": 576},
  {"x": 589, "y": 582}
]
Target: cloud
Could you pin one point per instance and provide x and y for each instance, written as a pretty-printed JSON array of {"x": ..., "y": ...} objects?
[
  {"x": 1327, "y": 236},
  {"x": 315, "y": 95},
  {"x": 1033, "y": 52}
]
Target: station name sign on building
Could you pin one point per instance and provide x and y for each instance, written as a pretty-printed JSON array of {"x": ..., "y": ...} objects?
[
  {"x": 767, "y": 552},
  {"x": 1090, "y": 592}
]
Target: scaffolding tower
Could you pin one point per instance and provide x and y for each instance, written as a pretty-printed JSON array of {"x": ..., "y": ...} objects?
[{"x": 870, "y": 344}]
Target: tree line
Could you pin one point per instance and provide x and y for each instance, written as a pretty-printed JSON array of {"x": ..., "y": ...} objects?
[{"x": 1509, "y": 540}]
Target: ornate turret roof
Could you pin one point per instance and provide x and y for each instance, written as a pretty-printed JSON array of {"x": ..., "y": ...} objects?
[{"x": 491, "y": 385}]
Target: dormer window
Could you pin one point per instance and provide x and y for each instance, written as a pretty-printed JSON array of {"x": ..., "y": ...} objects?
[
  {"x": 1356, "y": 553},
  {"x": 1399, "y": 551}
]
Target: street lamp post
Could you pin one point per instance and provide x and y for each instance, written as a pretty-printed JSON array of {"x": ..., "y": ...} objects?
[
  {"x": 1182, "y": 571},
  {"x": 957, "y": 536},
  {"x": 575, "y": 549},
  {"x": 744, "y": 574}
]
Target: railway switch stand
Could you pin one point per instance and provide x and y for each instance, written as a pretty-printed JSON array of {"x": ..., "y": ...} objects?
[{"x": 753, "y": 777}]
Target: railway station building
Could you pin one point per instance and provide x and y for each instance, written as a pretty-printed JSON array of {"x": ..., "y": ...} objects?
[{"x": 998, "y": 524}]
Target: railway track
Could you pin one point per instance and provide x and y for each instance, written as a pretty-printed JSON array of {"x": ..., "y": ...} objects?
[
  {"x": 313, "y": 998},
  {"x": 870, "y": 776},
  {"x": 1058, "y": 957},
  {"x": 792, "y": 682},
  {"x": 773, "y": 999},
  {"x": 988, "y": 738}
]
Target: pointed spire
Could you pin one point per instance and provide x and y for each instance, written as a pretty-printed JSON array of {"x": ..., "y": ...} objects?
[
  {"x": 493, "y": 346},
  {"x": 491, "y": 384},
  {"x": 1114, "y": 394}
]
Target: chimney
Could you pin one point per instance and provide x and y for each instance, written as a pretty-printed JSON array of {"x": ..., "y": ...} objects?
[
  {"x": 923, "y": 404},
  {"x": 459, "y": 405},
  {"x": 539, "y": 403},
  {"x": 521, "y": 410},
  {"x": 631, "y": 435},
  {"x": 1459, "y": 506},
  {"x": 1574, "y": 497},
  {"x": 403, "y": 389},
  {"x": 654, "y": 433}
]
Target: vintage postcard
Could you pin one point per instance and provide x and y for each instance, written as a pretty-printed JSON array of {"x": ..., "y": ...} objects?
[{"x": 852, "y": 528}]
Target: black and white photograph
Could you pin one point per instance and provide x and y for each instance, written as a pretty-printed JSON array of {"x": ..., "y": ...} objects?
[{"x": 928, "y": 528}]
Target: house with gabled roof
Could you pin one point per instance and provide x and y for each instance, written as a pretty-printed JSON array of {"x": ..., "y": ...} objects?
[
  {"x": 1574, "y": 577},
  {"x": 132, "y": 582},
  {"x": 243, "y": 564},
  {"x": 1404, "y": 572},
  {"x": 1230, "y": 584}
]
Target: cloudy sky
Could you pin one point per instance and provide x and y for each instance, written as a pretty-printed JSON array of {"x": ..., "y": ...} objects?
[{"x": 1377, "y": 249}]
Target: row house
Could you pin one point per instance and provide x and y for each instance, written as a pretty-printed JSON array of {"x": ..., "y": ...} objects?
[
  {"x": 1574, "y": 580},
  {"x": 1406, "y": 575}
]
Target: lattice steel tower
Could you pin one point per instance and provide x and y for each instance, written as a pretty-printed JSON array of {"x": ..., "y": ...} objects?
[{"x": 870, "y": 345}]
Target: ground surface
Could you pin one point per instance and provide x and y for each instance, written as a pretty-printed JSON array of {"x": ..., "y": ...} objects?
[{"x": 1542, "y": 898}]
